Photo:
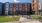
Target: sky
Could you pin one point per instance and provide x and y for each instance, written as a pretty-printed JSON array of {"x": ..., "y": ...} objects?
[{"x": 3, "y": 1}]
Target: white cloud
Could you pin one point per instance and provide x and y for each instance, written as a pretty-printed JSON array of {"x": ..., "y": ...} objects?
[{"x": 16, "y": 1}]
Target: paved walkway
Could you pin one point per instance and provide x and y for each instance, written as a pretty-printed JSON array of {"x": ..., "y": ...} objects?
[{"x": 24, "y": 20}]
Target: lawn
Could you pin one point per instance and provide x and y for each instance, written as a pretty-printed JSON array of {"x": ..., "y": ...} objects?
[
  {"x": 36, "y": 16},
  {"x": 8, "y": 19}
]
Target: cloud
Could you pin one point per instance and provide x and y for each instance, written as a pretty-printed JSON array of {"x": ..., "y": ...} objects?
[{"x": 16, "y": 1}]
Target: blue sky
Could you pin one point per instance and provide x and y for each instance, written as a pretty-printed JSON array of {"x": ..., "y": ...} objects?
[{"x": 17, "y": 0}]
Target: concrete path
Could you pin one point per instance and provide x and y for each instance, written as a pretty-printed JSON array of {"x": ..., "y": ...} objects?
[{"x": 25, "y": 20}]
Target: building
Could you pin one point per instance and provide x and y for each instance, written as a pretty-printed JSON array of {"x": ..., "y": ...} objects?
[
  {"x": 11, "y": 8},
  {"x": 6, "y": 8},
  {"x": 39, "y": 6},
  {"x": 0, "y": 8},
  {"x": 29, "y": 9},
  {"x": 3, "y": 8},
  {"x": 15, "y": 8},
  {"x": 20, "y": 8},
  {"x": 25, "y": 8},
  {"x": 34, "y": 6}
]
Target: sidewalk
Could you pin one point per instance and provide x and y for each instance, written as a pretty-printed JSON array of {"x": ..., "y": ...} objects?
[{"x": 24, "y": 20}]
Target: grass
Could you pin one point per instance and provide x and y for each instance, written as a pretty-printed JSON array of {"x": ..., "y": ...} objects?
[
  {"x": 8, "y": 19},
  {"x": 35, "y": 16}
]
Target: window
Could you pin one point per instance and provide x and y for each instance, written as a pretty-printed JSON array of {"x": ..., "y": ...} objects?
[
  {"x": 34, "y": 1},
  {"x": 33, "y": 8},
  {"x": 23, "y": 5},
  {"x": 33, "y": 4}
]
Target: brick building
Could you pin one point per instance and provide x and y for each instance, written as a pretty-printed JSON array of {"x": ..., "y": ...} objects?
[{"x": 34, "y": 5}]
